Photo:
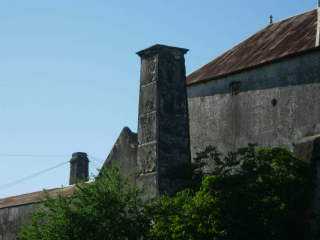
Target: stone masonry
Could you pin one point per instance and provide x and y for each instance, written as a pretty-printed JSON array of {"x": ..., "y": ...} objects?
[
  {"x": 163, "y": 156},
  {"x": 124, "y": 154}
]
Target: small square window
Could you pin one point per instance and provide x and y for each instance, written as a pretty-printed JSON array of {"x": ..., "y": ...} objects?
[{"x": 235, "y": 88}]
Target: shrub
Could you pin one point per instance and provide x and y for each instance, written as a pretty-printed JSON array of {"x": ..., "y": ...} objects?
[{"x": 256, "y": 193}]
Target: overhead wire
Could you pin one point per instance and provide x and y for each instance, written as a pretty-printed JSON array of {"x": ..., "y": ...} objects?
[
  {"x": 31, "y": 155},
  {"x": 21, "y": 180},
  {"x": 95, "y": 161}
]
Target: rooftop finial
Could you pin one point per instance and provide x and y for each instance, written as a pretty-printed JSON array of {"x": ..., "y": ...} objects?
[{"x": 271, "y": 18}]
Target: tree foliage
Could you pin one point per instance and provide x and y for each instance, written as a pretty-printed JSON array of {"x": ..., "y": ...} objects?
[
  {"x": 256, "y": 193},
  {"x": 108, "y": 208}
]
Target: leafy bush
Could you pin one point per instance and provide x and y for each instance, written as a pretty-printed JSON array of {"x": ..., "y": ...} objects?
[
  {"x": 108, "y": 208},
  {"x": 256, "y": 193}
]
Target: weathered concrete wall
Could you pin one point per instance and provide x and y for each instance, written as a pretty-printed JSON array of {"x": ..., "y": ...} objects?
[
  {"x": 278, "y": 104},
  {"x": 124, "y": 154},
  {"x": 12, "y": 218},
  {"x": 163, "y": 131}
]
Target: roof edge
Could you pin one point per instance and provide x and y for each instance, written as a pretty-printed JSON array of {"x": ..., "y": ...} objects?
[{"x": 39, "y": 196}]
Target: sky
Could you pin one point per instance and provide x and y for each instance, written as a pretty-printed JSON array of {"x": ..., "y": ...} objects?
[{"x": 69, "y": 75}]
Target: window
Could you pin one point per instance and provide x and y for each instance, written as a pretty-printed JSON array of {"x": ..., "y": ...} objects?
[
  {"x": 235, "y": 88},
  {"x": 274, "y": 102}
]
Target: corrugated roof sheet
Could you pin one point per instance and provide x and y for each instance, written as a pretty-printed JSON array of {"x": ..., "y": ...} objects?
[
  {"x": 35, "y": 197},
  {"x": 281, "y": 39}
]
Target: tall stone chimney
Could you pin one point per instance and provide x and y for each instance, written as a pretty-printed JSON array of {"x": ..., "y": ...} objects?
[
  {"x": 163, "y": 155},
  {"x": 79, "y": 168}
]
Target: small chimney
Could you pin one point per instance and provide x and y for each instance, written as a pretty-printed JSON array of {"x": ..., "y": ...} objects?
[{"x": 79, "y": 168}]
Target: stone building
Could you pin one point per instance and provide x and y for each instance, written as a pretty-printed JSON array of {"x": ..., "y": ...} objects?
[{"x": 264, "y": 90}]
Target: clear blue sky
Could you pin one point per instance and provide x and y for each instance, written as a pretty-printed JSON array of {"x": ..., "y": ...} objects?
[{"x": 69, "y": 76}]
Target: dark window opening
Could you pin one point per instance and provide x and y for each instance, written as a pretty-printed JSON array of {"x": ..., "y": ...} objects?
[
  {"x": 274, "y": 102},
  {"x": 235, "y": 88}
]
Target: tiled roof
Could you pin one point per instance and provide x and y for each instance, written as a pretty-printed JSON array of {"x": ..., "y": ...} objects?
[
  {"x": 282, "y": 39},
  {"x": 35, "y": 197}
]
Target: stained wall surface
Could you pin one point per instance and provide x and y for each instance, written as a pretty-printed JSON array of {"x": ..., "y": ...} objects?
[
  {"x": 277, "y": 105},
  {"x": 12, "y": 218},
  {"x": 124, "y": 154}
]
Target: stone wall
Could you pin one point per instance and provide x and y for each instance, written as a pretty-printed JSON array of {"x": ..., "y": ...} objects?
[{"x": 277, "y": 104}]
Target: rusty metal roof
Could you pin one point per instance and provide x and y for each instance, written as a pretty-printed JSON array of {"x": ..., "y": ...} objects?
[
  {"x": 35, "y": 197},
  {"x": 282, "y": 39}
]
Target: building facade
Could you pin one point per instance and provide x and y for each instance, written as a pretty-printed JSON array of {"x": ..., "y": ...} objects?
[{"x": 264, "y": 90}]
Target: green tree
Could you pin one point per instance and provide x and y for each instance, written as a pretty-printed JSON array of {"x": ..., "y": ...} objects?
[
  {"x": 108, "y": 208},
  {"x": 256, "y": 193}
]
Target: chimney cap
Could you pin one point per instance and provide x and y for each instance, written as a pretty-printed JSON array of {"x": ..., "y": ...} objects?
[
  {"x": 79, "y": 154},
  {"x": 157, "y": 48}
]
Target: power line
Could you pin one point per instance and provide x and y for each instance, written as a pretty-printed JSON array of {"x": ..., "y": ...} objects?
[
  {"x": 11, "y": 184},
  {"x": 32, "y": 155},
  {"x": 95, "y": 161}
]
